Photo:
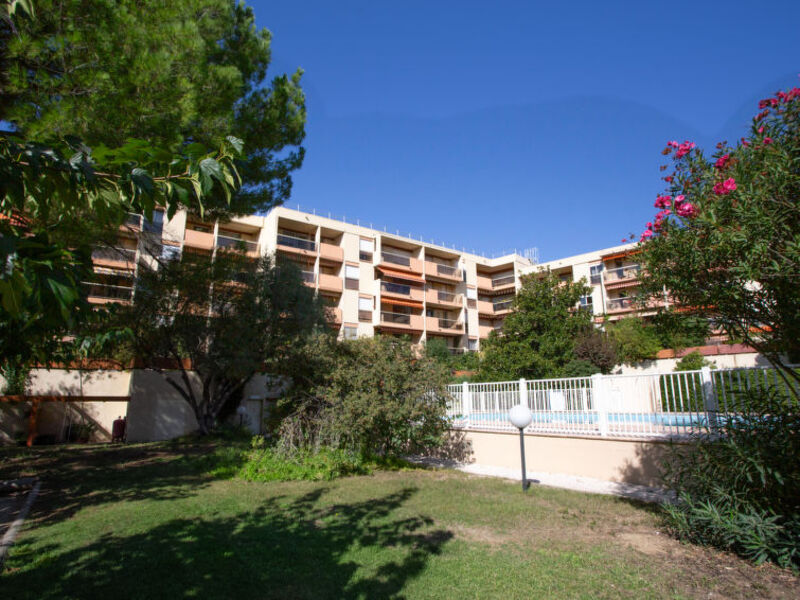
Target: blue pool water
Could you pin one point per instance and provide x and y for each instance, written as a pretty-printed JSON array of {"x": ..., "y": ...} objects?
[{"x": 591, "y": 418}]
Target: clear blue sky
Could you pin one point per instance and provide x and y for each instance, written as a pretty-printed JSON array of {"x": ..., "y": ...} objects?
[{"x": 499, "y": 125}]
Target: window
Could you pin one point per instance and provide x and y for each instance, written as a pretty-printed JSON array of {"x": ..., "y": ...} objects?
[
  {"x": 156, "y": 225},
  {"x": 586, "y": 302},
  {"x": 170, "y": 252},
  {"x": 365, "y": 248},
  {"x": 365, "y": 304},
  {"x": 351, "y": 272},
  {"x": 472, "y": 294},
  {"x": 472, "y": 345},
  {"x": 595, "y": 273},
  {"x": 350, "y": 332}
]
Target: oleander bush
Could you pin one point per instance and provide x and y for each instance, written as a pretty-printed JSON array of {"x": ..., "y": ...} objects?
[{"x": 739, "y": 487}]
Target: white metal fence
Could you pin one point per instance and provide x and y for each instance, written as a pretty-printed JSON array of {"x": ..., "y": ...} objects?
[{"x": 646, "y": 405}]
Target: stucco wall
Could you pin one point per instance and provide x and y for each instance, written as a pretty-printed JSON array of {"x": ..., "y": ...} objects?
[
  {"x": 629, "y": 461},
  {"x": 721, "y": 361}
]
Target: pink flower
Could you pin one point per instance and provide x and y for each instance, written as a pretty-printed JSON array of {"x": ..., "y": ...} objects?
[
  {"x": 663, "y": 202},
  {"x": 679, "y": 200},
  {"x": 672, "y": 143},
  {"x": 668, "y": 178},
  {"x": 687, "y": 210},
  {"x": 767, "y": 140},
  {"x": 729, "y": 184},
  {"x": 761, "y": 129},
  {"x": 684, "y": 149},
  {"x": 723, "y": 161},
  {"x": 647, "y": 233}
]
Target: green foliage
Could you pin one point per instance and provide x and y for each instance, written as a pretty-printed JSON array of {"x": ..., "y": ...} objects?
[
  {"x": 740, "y": 491},
  {"x": 16, "y": 374},
  {"x": 580, "y": 368},
  {"x": 539, "y": 336},
  {"x": 163, "y": 72},
  {"x": 734, "y": 256},
  {"x": 694, "y": 361},
  {"x": 325, "y": 464},
  {"x": 372, "y": 396},
  {"x": 634, "y": 340},
  {"x": 230, "y": 318},
  {"x": 678, "y": 330},
  {"x": 437, "y": 349},
  {"x": 598, "y": 350}
]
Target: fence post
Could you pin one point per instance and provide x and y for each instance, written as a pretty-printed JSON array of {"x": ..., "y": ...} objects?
[
  {"x": 466, "y": 402},
  {"x": 709, "y": 398},
  {"x": 600, "y": 403},
  {"x": 523, "y": 392}
]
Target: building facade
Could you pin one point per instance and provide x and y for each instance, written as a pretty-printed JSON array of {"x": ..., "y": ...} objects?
[{"x": 373, "y": 281}]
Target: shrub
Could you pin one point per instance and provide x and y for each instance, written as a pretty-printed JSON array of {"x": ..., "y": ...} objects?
[
  {"x": 740, "y": 491},
  {"x": 694, "y": 361},
  {"x": 596, "y": 348},
  {"x": 634, "y": 340},
  {"x": 269, "y": 464},
  {"x": 580, "y": 368}
]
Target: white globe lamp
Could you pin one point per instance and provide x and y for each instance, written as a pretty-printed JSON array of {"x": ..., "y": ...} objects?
[{"x": 520, "y": 417}]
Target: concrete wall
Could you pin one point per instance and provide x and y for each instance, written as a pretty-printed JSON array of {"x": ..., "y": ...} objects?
[
  {"x": 629, "y": 461},
  {"x": 721, "y": 361},
  {"x": 157, "y": 411}
]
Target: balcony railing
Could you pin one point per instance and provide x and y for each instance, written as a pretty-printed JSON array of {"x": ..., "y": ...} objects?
[
  {"x": 308, "y": 276},
  {"x": 621, "y": 273},
  {"x": 118, "y": 254},
  {"x": 449, "y": 324},
  {"x": 224, "y": 241},
  {"x": 396, "y": 259},
  {"x": 447, "y": 297},
  {"x": 296, "y": 242},
  {"x": 396, "y": 318},
  {"x": 503, "y": 281},
  {"x": 501, "y": 306},
  {"x": 133, "y": 220},
  {"x": 396, "y": 288},
  {"x": 620, "y": 303},
  {"x": 108, "y": 291}
]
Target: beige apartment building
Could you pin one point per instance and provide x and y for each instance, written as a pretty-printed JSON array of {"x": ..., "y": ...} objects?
[{"x": 374, "y": 281}]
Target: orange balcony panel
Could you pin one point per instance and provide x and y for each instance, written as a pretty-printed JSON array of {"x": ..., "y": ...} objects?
[
  {"x": 485, "y": 308},
  {"x": 484, "y": 283},
  {"x": 198, "y": 239},
  {"x": 330, "y": 283},
  {"x": 297, "y": 251},
  {"x": 442, "y": 298},
  {"x": 439, "y": 271},
  {"x": 444, "y": 326},
  {"x": 405, "y": 292},
  {"x": 333, "y": 315},
  {"x": 484, "y": 331},
  {"x": 331, "y": 252},
  {"x": 400, "y": 322}
]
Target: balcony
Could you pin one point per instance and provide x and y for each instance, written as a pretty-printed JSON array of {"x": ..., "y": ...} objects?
[
  {"x": 502, "y": 308},
  {"x": 132, "y": 224},
  {"x": 331, "y": 252},
  {"x": 309, "y": 278},
  {"x": 121, "y": 258},
  {"x": 502, "y": 282},
  {"x": 485, "y": 330},
  {"x": 440, "y": 271},
  {"x": 201, "y": 240},
  {"x": 445, "y": 326},
  {"x": 442, "y": 298},
  {"x": 333, "y": 315},
  {"x": 485, "y": 307},
  {"x": 103, "y": 293},
  {"x": 399, "y": 290},
  {"x": 296, "y": 245},
  {"x": 405, "y": 321},
  {"x": 401, "y": 261},
  {"x": 618, "y": 305},
  {"x": 622, "y": 277},
  {"x": 232, "y": 243},
  {"x": 330, "y": 283}
]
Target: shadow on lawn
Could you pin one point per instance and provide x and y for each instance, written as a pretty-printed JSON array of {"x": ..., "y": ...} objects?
[
  {"x": 287, "y": 548},
  {"x": 76, "y": 477}
]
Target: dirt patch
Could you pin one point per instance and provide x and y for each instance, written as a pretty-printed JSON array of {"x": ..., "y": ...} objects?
[
  {"x": 650, "y": 543},
  {"x": 481, "y": 535}
]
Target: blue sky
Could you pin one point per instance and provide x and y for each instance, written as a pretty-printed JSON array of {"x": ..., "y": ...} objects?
[{"x": 501, "y": 125}]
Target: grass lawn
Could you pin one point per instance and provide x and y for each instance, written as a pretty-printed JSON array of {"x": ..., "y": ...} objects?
[{"x": 148, "y": 521}]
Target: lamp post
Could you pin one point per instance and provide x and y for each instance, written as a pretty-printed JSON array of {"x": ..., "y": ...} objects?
[
  {"x": 241, "y": 410},
  {"x": 520, "y": 417}
]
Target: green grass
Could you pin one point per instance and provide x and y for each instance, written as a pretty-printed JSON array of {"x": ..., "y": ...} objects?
[{"x": 159, "y": 521}]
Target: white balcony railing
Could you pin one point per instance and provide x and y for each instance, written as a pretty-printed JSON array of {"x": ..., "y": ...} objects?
[{"x": 620, "y": 303}]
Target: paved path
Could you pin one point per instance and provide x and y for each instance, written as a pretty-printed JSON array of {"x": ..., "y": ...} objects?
[
  {"x": 15, "y": 502},
  {"x": 559, "y": 480}
]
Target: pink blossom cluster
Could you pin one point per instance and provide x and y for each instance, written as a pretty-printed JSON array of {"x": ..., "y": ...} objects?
[
  {"x": 663, "y": 201},
  {"x": 723, "y": 162},
  {"x": 683, "y": 149},
  {"x": 722, "y": 188}
]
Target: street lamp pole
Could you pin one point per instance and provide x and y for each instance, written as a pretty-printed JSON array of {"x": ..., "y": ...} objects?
[{"x": 520, "y": 417}]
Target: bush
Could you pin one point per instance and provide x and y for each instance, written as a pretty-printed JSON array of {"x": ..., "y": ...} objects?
[
  {"x": 740, "y": 491},
  {"x": 634, "y": 340},
  {"x": 580, "y": 368},
  {"x": 269, "y": 464},
  {"x": 694, "y": 361},
  {"x": 596, "y": 348}
]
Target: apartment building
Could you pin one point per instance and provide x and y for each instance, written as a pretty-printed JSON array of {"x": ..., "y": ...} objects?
[
  {"x": 612, "y": 273},
  {"x": 373, "y": 281}
]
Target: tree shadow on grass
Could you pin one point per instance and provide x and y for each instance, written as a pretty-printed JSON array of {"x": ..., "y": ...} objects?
[
  {"x": 74, "y": 477},
  {"x": 286, "y": 548}
]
